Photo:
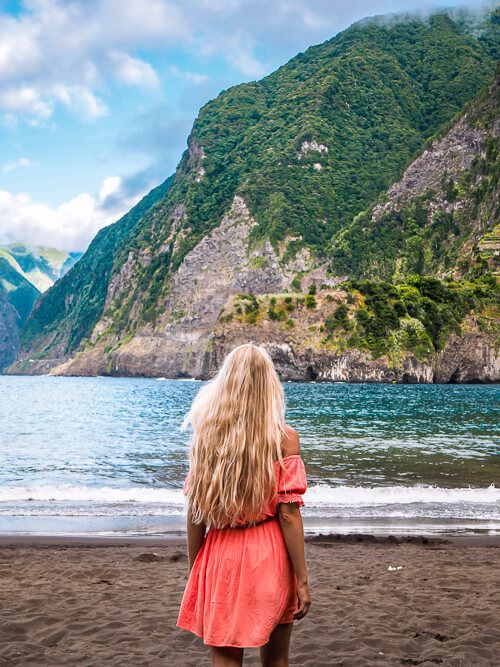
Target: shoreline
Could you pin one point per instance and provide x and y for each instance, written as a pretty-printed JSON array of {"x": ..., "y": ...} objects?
[
  {"x": 477, "y": 540},
  {"x": 165, "y": 527},
  {"x": 304, "y": 380}
]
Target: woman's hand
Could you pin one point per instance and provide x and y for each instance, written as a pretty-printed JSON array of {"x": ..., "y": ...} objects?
[{"x": 304, "y": 599}]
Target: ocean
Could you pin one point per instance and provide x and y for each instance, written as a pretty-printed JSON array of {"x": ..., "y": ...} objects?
[{"x": 105, "y": 456}]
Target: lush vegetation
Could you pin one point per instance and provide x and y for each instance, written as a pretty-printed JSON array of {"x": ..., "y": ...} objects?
[
  {"x": 368, "y": 96},
  {"x": 416, "y": 315},
  {"x": 417, "y": 238}
]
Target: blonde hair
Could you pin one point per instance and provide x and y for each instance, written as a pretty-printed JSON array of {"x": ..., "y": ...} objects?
[{"x": 238, "y": 423}]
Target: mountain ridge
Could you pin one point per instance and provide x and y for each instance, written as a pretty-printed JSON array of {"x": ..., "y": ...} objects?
[{"x": 40, "y": 265}]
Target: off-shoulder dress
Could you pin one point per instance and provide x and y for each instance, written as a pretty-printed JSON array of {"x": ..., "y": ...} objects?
[{"x": 242, "y": 584}]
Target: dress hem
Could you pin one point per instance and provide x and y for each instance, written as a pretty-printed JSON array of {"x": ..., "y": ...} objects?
[{"x": 233, "y": 645}]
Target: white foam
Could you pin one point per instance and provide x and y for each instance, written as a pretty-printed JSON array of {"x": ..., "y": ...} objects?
[
  {"x": 327, "y": 496},
  {"x": 320, "y": 495},
  {"x": 103, "y": 494}
]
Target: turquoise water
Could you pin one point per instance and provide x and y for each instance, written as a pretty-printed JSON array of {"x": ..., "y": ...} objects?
[{"x": 105, "y": 455}]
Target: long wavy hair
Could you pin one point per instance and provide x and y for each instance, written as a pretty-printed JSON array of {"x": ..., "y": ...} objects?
[{"x": 238, "y": 423}]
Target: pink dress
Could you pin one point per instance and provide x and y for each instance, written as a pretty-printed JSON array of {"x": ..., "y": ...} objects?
[{"x": 242, "y": 584}]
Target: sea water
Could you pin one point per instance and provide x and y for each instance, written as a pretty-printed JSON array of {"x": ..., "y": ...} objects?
[{"x": 106, "y": 455}]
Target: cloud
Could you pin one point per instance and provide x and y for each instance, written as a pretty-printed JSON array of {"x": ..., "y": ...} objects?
[
  {"x": 55, "y": 52},
  {"x": 70, "y": 226},
  {"x": 192, "y": 77},
  {"x": 25, "y": 100},
  {"x": 133, "y": 71},
  {"x": 81, "y": 100},
  {"x": 16, "y": 164}
]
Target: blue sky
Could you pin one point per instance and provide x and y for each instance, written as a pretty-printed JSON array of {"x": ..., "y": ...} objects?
[{"x": 97, "y": 97}]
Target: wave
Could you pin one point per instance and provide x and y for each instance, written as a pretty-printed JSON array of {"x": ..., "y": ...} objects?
[
  {"x": 102, "y": 494},
  {"x": 321, "y": 495},
  {"x": 324, "y": 495}
]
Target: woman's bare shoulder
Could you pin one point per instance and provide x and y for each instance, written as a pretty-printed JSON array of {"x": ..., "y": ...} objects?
[{"x": 290, "y": 444}]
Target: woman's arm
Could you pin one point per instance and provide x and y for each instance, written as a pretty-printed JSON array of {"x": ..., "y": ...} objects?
[
  {"x": 293, "y": 533},
  {"x": 195, "y": 537},
  {"x": 293, "y": 530}
]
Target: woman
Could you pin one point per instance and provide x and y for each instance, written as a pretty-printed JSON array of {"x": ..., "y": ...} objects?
[{"x": 247, "y": 574}]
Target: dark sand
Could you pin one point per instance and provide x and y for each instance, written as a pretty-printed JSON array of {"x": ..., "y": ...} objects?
[{"x": 84, "y": 601}]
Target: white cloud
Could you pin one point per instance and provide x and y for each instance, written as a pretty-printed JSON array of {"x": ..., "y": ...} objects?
[
  {"x": 133, "y": 71},
  {"x": 70, "y": 226},
  {"x": 16, "y": 164},
  {"x": 81, "y": 100},
  {"x": 56, "y": 52},
  {"x": 110, "y": 187},
  {"x": 193, "y": 77},
  {"x": 25, "y": 100}
]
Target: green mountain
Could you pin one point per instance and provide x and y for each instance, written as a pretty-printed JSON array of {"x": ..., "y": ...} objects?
[
  {"x": 17, "y": 296},
  {"x": 41, "y": 266},
  {"x": 25, "y": 272},
  {"x": 286, "y": 184}
]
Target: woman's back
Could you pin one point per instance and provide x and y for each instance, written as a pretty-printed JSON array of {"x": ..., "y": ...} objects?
[{"x": 247, "y": 573}]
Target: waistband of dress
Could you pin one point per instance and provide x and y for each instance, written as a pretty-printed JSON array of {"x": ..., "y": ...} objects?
[{"x": 252, "y": 525}]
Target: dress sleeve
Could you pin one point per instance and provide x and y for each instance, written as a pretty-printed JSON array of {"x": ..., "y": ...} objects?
[{"x": 292, "y": 482}]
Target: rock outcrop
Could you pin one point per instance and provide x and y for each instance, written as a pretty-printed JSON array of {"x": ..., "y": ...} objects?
[
  {"x": 468, "y": 359},
  {"x": 444, "y": 162},
  {"x": 178, "y": 345},
  {"x": 301, "y": 353}
]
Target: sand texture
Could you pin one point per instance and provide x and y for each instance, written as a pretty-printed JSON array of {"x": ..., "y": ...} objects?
[{"x": 99, "y": 602}]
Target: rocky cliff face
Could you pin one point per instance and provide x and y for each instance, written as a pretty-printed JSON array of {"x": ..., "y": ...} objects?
[
  {"x": 196, "y": 344},
  {"x": 299, "y": 356},
  {"x": 447, "y": 159},
  {"x": 221, "y": 265}
]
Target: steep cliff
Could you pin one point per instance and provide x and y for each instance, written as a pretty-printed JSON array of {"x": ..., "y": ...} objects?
[
  {"x": 275, "y": 173},
  {"x": 442, "y": 217},
  {"x": 9, "y": 331},
  {"x": 17, "y": 296}
]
